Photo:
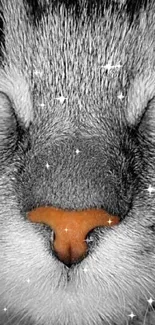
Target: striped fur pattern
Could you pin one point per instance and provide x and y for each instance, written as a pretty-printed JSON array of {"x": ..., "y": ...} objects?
[{"x": 62, "y": 53}]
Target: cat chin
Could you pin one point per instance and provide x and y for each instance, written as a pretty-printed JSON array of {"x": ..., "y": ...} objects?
[{"x": 98, "y": 289}]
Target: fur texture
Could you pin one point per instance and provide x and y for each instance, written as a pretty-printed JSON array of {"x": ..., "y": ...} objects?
[{"x": 62, "y": 53}]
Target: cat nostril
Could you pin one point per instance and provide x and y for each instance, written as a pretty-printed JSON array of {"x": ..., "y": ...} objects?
[{"x": 71, "y": 229}]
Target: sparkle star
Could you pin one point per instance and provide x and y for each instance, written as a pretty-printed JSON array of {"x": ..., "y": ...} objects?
[
  {"x": 150, "y": 301},
  {"x": 38, "y": 73},
  {"x": 77, "y": 151},
  {"x": 109, "y": 221},
  {"x": 150, "y": 189},
  {"x": 66, "y": 229},
  {"x": 132, "y": 315},
  {"x": 108, "y": 66},
  {"x": 120, "y": 96},
  {"x": 42, "y": 104},
  {"x": 47, "y": 166},
  {"x": 5, "y": 309},
  {"x": 61, "y": 99}
]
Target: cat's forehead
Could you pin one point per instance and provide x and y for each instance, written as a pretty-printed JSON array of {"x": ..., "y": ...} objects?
[{"x": 96, "y": 65}]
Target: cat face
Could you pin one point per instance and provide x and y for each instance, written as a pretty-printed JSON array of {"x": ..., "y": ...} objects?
[{"x": 77, "y": 134}]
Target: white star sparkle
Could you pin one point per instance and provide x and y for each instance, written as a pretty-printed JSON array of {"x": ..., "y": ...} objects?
[
  {"x": 150, "y": 301},
  {"x": 77, "y": 151},
  {"x": 120, "y": 96},
  {"x": 5, "y": 309},
  {"x": 109, "y": 221},
  {"x": 150, "y": 189},
  {"x": 61, "y": 99},
  {"x": 38, "y": 73},
  {"x": 42, "y": 104},
  {"x": 132, "y": 315},
  {"x": 108, "y": 66},
  {"x": 47, "y": 166}
]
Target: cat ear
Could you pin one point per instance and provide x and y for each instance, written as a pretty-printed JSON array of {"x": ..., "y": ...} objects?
[
  {"x": 16, "y": 112},
  {"x": 147, "y": 123},
  {"x": 8, "y": 127},
  {"x": 141, "y": 92},
  {"x": 16, "y": 89}
]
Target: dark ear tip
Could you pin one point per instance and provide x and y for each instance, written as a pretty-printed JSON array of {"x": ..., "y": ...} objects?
[
  {"x": 12, "y": 129},
  {"x": 8, "y": 123},
  {"x": 6, "y": 108}
]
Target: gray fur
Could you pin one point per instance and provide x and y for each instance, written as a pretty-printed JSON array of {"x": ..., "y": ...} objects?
[{"x": 113, "y": 170}]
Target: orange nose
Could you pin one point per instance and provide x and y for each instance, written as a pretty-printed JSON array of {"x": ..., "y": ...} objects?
[{"x": 71, "y": 228}]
